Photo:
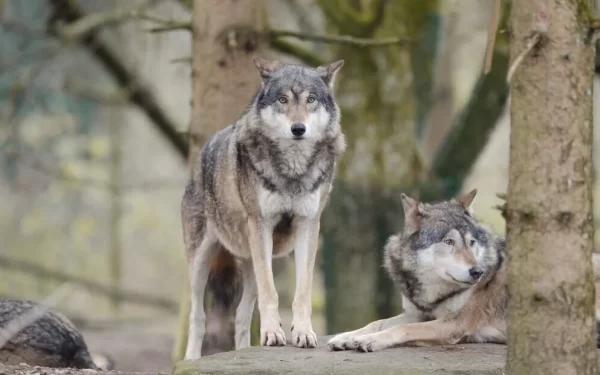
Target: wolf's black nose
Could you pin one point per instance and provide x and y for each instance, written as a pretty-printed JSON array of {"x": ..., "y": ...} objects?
[
  {"x": 475, "y": 272},
  {"x": 298, "y": 129}
]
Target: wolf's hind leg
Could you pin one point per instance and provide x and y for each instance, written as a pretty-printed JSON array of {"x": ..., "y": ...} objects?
[
  {"x": 345, "y": 341},
  {"x": 243, "y": 314},
  {"x": 199, "y": 269}
]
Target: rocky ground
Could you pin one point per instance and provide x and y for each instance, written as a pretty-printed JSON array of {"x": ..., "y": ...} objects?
[
  {"x": 31, "y": 370},
  {"x": 457, "y": 359}
]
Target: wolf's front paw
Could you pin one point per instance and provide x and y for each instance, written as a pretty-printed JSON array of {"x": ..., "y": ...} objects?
[
  {"x": 271, "y": 334},
  {"x": 369, "y": 343},
  {"x": 304, "y": 338},
  {"x": 343, "y": 341}
]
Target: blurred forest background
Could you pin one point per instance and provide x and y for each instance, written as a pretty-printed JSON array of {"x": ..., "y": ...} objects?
[{"x": 93, "y": 123}]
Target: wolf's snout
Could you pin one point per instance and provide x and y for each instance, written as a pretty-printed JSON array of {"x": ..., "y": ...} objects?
[
  {"x": 475, "y": 272},
  {"x": 298, "y": 129}
]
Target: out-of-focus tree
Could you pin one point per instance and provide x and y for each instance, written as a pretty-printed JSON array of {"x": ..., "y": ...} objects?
[
  {"x": 224, "y": 80},
  {"x": 378, "y": 102}
]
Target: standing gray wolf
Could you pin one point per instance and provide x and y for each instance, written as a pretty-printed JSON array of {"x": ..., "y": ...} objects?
[
  {"x": 451, "y": 272},
  {"x": 50, "y": 341},
  {"x": 257, "y": 192}
]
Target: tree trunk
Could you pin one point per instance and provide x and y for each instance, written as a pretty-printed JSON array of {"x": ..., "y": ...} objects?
[
  {"x": 381, "y": 159},
  {"x": 224, "y": 80},
  {"x": 551, "y": 328}
]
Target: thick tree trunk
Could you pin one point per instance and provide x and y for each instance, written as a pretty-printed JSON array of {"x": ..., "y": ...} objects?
[
  {"x": 224, "y": 80},
  {"x": 224, "y": 76},
  {"x": 551, "y": 328}
]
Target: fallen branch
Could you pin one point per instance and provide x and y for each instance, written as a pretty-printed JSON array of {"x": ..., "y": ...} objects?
[
  {"x": 533, "y": 40},
  {"x": 118, "y": 294}
]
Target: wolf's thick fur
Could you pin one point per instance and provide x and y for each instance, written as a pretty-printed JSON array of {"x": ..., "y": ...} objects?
[
  {"x": 257, "y": 192},
  {"x": 451, "y": 272}
]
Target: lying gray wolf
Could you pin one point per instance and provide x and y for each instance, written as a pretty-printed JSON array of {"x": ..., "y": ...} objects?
[
  {"x": 257, "y": 192},
  {"x": 451, "y": 272},
  {"x": 49, "y": 341}
]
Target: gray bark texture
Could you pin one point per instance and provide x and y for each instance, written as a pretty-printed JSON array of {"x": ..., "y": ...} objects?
[{"x": 551, "y": 327}]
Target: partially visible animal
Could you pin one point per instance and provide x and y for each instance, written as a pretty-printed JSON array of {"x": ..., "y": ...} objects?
[
  {"x": 451, "y": 272},
  {"x": 51, "y": 340},
  {"x": 258, "y": 189}
]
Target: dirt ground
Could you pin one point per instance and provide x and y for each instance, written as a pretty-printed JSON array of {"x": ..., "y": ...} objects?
[{"x": 138, "y": 347}]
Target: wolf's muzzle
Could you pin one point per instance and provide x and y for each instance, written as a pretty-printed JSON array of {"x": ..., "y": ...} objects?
[
  {"x": 298, "y": 129},
  {"x": 475, "y": 273}
]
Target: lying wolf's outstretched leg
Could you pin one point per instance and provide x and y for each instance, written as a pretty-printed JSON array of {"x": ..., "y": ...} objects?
[
  {"x": 435, "y": 330},
  {"x": 243, "y": 314},
  {"x": 199, "y": 269},
  {"x": 260, "y": 237},
  {"x": 305, "y": 252},
  {"x": 345, "y": 340}
]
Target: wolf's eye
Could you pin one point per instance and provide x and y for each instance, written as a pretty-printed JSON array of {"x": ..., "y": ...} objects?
[
  {"x": 282, "y": 99},
  {"x": 311, "y": 99},
  {"x": 472, "y": 243},
  {"x": 449, "y": 242}
]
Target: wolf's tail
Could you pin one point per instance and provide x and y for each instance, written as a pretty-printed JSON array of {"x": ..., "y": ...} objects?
[
  {"x": 597, "y": 334},
  {"x": 224, "y": 280}
]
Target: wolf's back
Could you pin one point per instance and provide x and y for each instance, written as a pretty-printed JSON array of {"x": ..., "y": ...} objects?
[{"x": 50, "y": 341}]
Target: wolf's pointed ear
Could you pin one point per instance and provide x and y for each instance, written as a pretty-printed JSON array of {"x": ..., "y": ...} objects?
[
  {"x": 466, "y": 199},
  {"x": 412, "y": 213},
  {"x": 329, "y": 72},
  {"x": 265, "y": 67}
]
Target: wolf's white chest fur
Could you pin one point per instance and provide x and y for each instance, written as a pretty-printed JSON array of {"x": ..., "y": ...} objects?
[{"x": 272, "y": 204}]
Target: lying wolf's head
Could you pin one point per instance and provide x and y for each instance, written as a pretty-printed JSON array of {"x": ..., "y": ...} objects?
[
  {"x": 441, "y": 250},
  {"x": 296, "y": 102}
]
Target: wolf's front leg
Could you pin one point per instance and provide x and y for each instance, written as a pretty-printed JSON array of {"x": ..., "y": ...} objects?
[
  {"x": 345, "y": 341},
  {"x": 436, "y": 330},
  {"x": 305, "y": 251},
  {"x": 261, "y": 249}
]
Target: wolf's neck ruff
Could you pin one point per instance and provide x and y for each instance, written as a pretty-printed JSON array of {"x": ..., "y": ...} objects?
[{"x": 293, "y": 167}]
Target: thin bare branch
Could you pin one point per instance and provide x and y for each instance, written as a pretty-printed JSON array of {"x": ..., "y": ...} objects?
[
  {"x": 140, "y": 95},
  {"x": 338, "y": 39},
  {"x": 533, "y": 40},
  {"x": 492, "y": 31},
  {"x": 94, "y": 21},
  {"x": 323, "y": 38},
  {"x": 169, "y": 25}
]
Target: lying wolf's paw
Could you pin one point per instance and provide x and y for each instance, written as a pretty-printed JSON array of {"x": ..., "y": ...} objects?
[
  {"x": 272, "y": 335},
  {"x": 369, "y": 343},
  {"x": 304, "y": 338},
  {"x": 343, "y": 341}
]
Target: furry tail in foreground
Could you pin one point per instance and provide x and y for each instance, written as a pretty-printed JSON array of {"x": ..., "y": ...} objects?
[{"x": 224, "y": 280}]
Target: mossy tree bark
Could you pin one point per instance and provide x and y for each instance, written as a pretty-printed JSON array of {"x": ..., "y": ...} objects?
[
  {"x": 224, "y": 80},
  {"x": 551, "y": 328},
  {"x": 381, "y": 159}
]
